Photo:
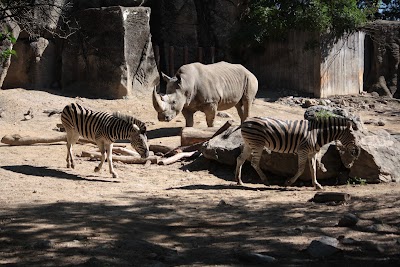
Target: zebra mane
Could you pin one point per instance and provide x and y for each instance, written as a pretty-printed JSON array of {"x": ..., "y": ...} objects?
[
  {"x": 354, "y": 121},
  {"x": 130, "y": 119}
]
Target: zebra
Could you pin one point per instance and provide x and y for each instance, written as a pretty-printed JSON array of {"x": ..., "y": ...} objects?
[
  {"x": 104, "y": 129},
  {"x": 301, "y": 137}
]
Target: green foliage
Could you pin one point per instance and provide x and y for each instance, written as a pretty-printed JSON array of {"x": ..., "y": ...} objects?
[
  {"x": 356, "y": 180},
  {"x": 323, "y": 114},
  {"x": 7, "y": 35},
  {"x": 272, "y": 19}
]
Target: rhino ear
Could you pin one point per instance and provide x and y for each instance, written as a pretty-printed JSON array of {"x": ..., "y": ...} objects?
[{"x": 165, "y": 77}]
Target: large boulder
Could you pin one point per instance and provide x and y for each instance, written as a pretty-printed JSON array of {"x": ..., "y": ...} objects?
[
  {"x": 226, "y": 149},
  {"x": 379, "y": 160},
  {"x": 35, "y": 66},
  {"x": 112, "y": 55}
]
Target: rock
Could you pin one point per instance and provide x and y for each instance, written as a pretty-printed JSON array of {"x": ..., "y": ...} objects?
[
  {"x": 348, "y": 220},
  {"x": 379, "y": 160},
  {"x": 325, "y": 246},
  {"x": 309, "y": 103},
  {"x": 224, "y": 149},
  {"x": 311, "y": 112},
  {"x": 223, "y": 114},
  {"x": 255, "y": 258},
  {"x": 381, "y": 122},
  {"x": 115, "y": 59}
]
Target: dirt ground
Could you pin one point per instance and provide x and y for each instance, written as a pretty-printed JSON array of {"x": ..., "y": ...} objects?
[{"x": 189, "y": 213}]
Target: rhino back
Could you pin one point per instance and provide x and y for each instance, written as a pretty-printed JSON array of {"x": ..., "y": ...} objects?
[{"x": 221, "y": 82}]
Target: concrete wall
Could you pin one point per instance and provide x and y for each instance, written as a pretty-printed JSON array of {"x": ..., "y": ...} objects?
[
  {"x": 342, "y": 69},
  {"x": 330, "y": 69}
]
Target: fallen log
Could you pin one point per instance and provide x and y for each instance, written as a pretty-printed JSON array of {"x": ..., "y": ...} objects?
[
  {"x": 125, "y": 151},
  {"x": 197, "y": 145},
  {"x": 160, "y": 148},
  {"x": 323, "y": 197},
  {"x": 175, "y": 158},
  {"x": 18, "y": 140},
  {"x": 124, "y": 159}
]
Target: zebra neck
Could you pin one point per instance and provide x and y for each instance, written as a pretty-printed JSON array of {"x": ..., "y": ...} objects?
[{"x": 328, "y": 131}]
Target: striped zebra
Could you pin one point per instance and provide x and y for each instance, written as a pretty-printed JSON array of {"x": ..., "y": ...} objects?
[
  {"x": 302, "y": 137},
  {"x": 104, "y": 129}
]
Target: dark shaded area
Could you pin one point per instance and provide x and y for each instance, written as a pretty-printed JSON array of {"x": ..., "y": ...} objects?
[
  {"x": 44, "y": 172},
  {"x": 168, "y": 232},
  {"x": 163, "y": 132}
]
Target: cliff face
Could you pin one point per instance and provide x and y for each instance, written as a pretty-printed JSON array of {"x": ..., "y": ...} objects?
[
  {"x": 195, "y": 23},
  {"x": 382, "y": 57}
]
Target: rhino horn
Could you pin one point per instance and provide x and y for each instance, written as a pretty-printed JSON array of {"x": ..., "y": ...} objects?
[
  {"x": 158, "y": 103},
  {"x": 165, "y": 77}
]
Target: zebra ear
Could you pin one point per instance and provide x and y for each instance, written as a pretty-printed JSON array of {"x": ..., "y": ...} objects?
[
  {"x": 137, "y": 129},
  {"x": 350, "y": 125}
]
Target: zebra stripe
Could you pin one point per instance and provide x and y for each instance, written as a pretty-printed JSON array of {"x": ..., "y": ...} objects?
[
  {"x": 302, "y": 137},
  {"x": 104, "y": 129}
]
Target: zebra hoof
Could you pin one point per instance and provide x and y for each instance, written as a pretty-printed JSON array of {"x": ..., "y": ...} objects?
[
  {"x": 115, "y": 175},
  {"x": 318, "y": 187},
  {"x": 97, "y": 169}
]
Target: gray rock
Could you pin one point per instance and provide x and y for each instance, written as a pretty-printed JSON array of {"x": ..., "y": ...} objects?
[
  {"x": 348, "y": 220},
  {"x": 116, "y": 59},
  {"x": 325, "y": 246},
  {"x": 379, "y": 160}
]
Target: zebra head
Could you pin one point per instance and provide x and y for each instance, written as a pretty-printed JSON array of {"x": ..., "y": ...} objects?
[
  {"x": 348, "y": 148},
  {"x": 139, "y": 141}
]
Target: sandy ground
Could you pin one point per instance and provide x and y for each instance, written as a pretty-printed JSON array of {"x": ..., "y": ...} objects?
[{"x": 189, "y": 213}]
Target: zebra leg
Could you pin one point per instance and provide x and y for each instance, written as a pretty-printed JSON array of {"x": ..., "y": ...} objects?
[
  {"x": 103, "y": 156},
  {"x": 313, "y": 169},
  {"x": 255, "y": 162},
  {"x": 72, "y": 138},
  {"x": 302, "y": 160},
  {"x": 109, "y": 159},
  {"x": 246, "y": 153}
]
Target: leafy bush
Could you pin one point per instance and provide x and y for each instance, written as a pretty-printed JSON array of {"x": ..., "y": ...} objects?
[
  {"x": 272, "y": 19},
  {"x": 7, "y": 35}
]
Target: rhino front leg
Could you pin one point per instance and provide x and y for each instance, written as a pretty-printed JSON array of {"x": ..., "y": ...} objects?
[{"x": 188, "y": 117}]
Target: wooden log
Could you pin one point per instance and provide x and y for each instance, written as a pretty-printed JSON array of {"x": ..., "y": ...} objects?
[
  {"x": 160, "y": 148},
  {"x": 175, "y": 158},
  {"x": 125, "y": 151},
  {"x": 124, "y": 159},
  {"x": 18, "y": 140},
  {"x": 322, "y": 197},
  {"x": 191, "y": 135}
]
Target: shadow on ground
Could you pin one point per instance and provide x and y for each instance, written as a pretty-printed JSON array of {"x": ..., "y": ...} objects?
[{"x": 162, "y": 231}]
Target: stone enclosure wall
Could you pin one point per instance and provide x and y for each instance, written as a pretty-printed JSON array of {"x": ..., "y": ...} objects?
[{"x": 112, "y": 55}]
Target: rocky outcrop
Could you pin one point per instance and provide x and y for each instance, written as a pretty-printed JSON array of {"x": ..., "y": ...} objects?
[
  {"x": 5, "y": 44},
  {"x": 113, "y": 60},
  {"x": 379, "y": 160},
  {"x": 383, "y": 57}
]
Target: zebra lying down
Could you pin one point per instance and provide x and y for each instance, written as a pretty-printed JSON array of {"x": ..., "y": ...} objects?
[
  {"x": 104, "y": 129},
  {"x": 302, "y": 137}
]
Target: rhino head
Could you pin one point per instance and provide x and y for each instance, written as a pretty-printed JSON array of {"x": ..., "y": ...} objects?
[{"x": 170, "y": 104}]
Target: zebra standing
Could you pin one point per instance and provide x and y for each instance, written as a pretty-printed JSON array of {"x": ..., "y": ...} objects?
[
  {"x": 104, "y": 129},
  {"x": 303, "y": 137}
]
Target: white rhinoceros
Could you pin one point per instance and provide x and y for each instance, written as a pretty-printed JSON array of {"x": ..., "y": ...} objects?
[{"x": 206, "y": 88}]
